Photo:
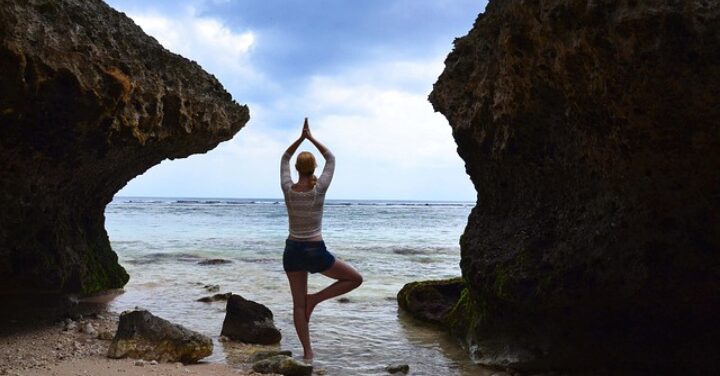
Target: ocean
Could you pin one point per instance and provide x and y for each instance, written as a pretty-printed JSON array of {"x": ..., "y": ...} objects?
[{"x": 162, "y": 241}]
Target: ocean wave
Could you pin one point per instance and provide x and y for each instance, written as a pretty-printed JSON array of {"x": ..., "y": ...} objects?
[{"x": 157, "y": 257}]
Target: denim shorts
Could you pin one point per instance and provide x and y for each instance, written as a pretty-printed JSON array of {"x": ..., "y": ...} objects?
[{"x": 311, "y": 256}]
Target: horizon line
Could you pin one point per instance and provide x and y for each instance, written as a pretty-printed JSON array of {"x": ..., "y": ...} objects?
[{"x": 282, "y": 199}]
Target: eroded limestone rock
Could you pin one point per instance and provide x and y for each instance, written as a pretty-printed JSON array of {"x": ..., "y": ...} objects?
[
  {"x": 283, "y": 365},
  {"x": 142, "y": 335},
  {"x": 87, "y": 102},
  {"x": 591, "y": 131},
  {"x": 431, "y": 301}
]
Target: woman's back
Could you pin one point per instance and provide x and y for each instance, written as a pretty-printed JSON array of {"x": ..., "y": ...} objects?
[{"x": 305, "y": 209}]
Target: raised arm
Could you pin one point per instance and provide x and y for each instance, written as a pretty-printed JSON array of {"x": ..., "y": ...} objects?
[
  {"x": 285, "y": 177},
  {"x": 325, "y": 178}
]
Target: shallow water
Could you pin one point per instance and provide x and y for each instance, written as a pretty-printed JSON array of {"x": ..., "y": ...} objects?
[{"x": 161, "y": 241}]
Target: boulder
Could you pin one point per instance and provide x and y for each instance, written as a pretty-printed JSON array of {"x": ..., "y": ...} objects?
[
  {"x": 430, "y": 301},
  {"x": 284, "y": 365},
  {"x": 260, "y": 355},
  {"x": 88, "y": 101},
  {"x": 142, "y": 335},
  {"x": 249, "y": 322},
  {"x": 590, "y": 132}
]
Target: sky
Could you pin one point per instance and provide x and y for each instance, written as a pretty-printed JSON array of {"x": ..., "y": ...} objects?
[{"x": 360, "y": 71}]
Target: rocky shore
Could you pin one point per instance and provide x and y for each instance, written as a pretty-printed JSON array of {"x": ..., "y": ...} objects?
[{"x": 69, "y": 348}]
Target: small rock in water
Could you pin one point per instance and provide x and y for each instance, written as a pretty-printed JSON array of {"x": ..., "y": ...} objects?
[
  {"x": 260, "y": 355},
  {"x": 215, "y": 298},
  {"x": 343, "y": 300},
  {"x": 283, "y": 365},
  {"x": 214, "y": 262},
  {"x": 212, "y": 288},
  {"x": 395, "y": 368},
  {"x": 249, "y": 322}
]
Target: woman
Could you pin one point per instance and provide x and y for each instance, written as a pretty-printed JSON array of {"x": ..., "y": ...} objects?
[{"x": 304, "y": 248}]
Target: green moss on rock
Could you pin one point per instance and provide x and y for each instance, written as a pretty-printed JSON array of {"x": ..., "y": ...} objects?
[{"x": 431, "y": 301}]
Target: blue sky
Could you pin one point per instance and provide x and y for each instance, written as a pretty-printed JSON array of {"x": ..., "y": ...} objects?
[{"x": 360, "y": 70}]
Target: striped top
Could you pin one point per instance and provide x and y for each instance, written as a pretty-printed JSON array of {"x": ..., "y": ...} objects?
[{"x": 305, "y": 209}]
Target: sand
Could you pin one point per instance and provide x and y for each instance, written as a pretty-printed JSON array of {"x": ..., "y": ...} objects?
[{"x": 54, "y": 349}]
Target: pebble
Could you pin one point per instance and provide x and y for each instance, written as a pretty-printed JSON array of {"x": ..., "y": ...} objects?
[
  {"x": 88, "y": 329},
  {"x": 70, "y": 326},
  {"x": 105, "y": 335},
  {"x": 140, "y": 363}
]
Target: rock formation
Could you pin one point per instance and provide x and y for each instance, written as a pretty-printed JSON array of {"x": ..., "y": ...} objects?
[
  {"x": 141, "y": 335},
  {"x": 591, "y": 131},
  {"x": 249, "y": 322},
  {"x": 431, "y": 301},
  {"x": 87, "y": 102},
  {"x": 282, "y": 365}
]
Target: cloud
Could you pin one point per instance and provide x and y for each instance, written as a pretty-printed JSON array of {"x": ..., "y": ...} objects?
[
  {"x": 381, "y": 112},
  {"x": 218, "y": 48},
  {"x": 373, "y": 114},
  {"x": 388, "y": 142},
  {"x": 378, "y": 122}
]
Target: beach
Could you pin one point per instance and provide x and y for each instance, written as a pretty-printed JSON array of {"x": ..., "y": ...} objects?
[
  {"x": 171, "y": 248},
  {"x": 166, "y": 244},
  {"x": 53, "y": 349}
]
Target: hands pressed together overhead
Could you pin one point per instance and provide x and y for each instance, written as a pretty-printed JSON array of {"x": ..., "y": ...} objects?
[
  {"x": 306, "y": 131},
  {"x": 307, "y": 135}
]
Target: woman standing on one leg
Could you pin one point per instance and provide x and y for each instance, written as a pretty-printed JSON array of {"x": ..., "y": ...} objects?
[{"x": 304, "y": 248}]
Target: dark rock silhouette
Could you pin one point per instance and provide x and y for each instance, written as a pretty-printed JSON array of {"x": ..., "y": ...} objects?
[
  {"x": 87, "y": 102},
  {"x": 249, "y": 322},
  {"x": 590, "y": 131}
]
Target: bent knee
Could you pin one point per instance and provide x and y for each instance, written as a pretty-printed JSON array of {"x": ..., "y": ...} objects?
[{"x": 357, "y": 280}]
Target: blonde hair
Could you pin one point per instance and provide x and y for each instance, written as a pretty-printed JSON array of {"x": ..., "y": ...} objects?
[{"x": 306, "y": 164}]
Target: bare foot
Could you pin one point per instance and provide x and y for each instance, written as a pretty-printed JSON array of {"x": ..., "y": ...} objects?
[
  {"x": 310, "y": 303},
  {"x": 308, "y": 357}
]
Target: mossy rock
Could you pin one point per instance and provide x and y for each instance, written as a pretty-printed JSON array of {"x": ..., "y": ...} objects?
[
  {"x": 283, "y": 365},
  {"x": 431, "y": 301}
]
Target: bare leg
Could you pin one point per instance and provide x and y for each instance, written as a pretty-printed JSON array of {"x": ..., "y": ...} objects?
[
  {"x": 298, "y": 288},
  {"x": 348, "y": 279}
]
